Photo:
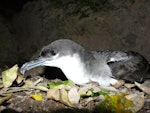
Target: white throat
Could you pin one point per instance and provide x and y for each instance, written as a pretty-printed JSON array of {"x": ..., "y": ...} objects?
[{"x": 72, "y": 67}]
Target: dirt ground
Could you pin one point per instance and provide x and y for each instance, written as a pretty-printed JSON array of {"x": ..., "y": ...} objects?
[{"x": 21, "y": 102}]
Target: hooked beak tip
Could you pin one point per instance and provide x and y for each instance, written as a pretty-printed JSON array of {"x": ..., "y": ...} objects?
[{"x": 32, "y": 64}]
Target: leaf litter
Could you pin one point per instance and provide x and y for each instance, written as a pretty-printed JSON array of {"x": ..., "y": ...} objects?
[{"x": 121, "y": 97}]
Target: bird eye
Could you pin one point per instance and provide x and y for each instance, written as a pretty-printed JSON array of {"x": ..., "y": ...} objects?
[
  {"x": 53, "y": 52},
  {"x": 48, "y": 52}
]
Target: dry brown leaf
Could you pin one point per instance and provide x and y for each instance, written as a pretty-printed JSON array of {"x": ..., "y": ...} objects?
[
  {"x": 5, "y": 97},
  {"x": 73, "y": 96},
  {"x": 84, "y": 89},
  {"x": 19, "y": 79},
  {"x": 28, "y": 83},
  {"x": 1, "y": 84},
  {"x": 64, "y": 98},
  {"x": 109, "y": 88},
  {"x": 60, "y": 95},
  {"x": 53, "y": 94},
  {"x": 138, "y": 100},
  {"x": 124, "y": 90},
  {"x": 118, "y": 84},
  {"x": 9, "y": 76},
  {"x": 85, "y": 101},
  {"x": 129, "y": 86},
  {"x": 143, "y": 87},
  {"x": 66, "y": 87},
  {"x": 42, "y": 88}
]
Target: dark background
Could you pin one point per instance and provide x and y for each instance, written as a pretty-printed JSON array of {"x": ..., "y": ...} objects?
[{"x": 28, "y": 25}]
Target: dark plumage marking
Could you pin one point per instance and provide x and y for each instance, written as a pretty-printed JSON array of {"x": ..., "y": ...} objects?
[{"x": 133, "y": 68}]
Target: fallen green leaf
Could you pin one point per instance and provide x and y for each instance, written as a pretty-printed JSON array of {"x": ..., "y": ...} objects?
[
  {"x": 67, "y": 82},
  {"x": 59, "y": 83},
  {"x": 94, "y": 94}
]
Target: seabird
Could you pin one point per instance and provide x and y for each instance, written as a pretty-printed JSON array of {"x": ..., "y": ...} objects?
[{"x": 82, "y": 66}]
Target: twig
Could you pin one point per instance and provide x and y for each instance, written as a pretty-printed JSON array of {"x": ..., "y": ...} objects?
[
  {"x": 37, "y": 81},
  {"x": 13, "y": 89}
]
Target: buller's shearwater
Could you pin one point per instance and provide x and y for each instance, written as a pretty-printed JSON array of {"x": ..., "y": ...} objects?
[{"x": 82, "y": 66}]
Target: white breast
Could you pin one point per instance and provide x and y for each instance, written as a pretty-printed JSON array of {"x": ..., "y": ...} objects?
[{"x": 71, "y": 67}]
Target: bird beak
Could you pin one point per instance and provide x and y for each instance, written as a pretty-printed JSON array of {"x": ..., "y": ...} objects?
[{"x": 32, "y": 64}]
